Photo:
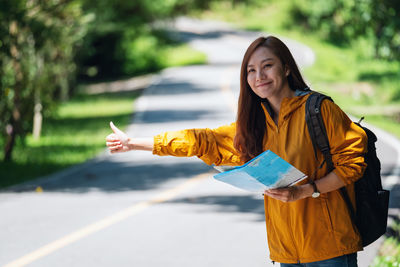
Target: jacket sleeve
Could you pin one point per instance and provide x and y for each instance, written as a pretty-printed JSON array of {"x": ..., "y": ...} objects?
[
  {"x": 213, "y": 146},
  {"x": 348, "y": 143}
]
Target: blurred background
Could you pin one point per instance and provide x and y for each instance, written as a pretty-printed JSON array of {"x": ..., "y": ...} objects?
[{"x": 52, "y": 53}]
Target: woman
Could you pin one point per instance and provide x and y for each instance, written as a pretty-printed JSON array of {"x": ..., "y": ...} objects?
[{"x": 271, "y": 115}]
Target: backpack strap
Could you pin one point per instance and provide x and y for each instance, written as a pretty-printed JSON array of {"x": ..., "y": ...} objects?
[
  {"x": 319, "y": 138},
  {"x": 316, "y": 127}
]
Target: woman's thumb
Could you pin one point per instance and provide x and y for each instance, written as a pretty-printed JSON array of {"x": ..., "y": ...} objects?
[{"x": 119, "y": 133}]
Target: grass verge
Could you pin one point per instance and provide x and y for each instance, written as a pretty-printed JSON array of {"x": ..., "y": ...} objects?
[
  {"x": 389, "y": 253},
  {"x": 182, "y": 55},
  {"x": 74, "y": 134}
]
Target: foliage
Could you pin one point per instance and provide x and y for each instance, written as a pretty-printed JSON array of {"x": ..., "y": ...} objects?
[
  {"x": 38, "y": 39},
  {"x": 389, "y": 253},
  {"x": 74, "y": 133},
  {"x": 343, "y": 21},
  {"x": 45, "y": 43},
  {"x": 121, "y": 41}
]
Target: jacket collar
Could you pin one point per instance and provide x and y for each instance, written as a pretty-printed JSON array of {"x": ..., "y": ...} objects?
[{"x": 288, "y": 105}]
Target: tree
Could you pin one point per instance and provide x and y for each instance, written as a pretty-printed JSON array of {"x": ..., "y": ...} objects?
[
  {"x": 37, "y": 48},
  {"x": 342, "y": 21}
]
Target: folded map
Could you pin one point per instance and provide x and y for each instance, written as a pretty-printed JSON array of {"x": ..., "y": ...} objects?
[{"x": 263, "y": 172}]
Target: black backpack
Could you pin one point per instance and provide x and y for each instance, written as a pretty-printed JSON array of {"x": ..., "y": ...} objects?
[{"x": 372, "y": 202}]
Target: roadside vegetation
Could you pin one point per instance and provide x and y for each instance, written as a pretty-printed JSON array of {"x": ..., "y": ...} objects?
[{"x": 389, "y": 253}]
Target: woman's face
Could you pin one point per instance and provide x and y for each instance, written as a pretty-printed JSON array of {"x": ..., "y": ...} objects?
[{"x": 266, "y": 75}]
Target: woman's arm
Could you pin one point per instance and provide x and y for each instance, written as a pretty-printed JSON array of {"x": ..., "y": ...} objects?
[
  {"x": 115, "y": 145},
  {"x": 326, "y": 184},
  {"x": 119, "y": 141},
  {"x": 213, "y": 146}
]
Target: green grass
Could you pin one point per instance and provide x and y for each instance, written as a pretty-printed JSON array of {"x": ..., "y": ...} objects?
[
  {"x": 74, "y": 134},
  {"x": 389, "y": 253},
  {"x": 182, "y": 55}
]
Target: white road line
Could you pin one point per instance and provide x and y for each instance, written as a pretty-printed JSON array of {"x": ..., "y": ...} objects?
[
  {"x": 106, "y": 222},
  {"x": 225, "y": 85}
]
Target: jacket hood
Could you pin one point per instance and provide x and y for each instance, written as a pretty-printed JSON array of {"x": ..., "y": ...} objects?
[{"x": 288, "y": 106}]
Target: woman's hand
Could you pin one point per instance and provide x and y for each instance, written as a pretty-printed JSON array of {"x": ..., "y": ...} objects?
[
  {"x": 326, "y": 184},
  {"x": 291, "y": 193},
  {"x": 118, "y": 141}
]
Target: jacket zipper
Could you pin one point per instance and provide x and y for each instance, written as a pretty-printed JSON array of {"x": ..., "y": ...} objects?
[{"x": 291, "y": 233}]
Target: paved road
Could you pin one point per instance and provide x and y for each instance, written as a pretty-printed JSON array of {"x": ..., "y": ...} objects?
[{"x": 136, "y": 209}]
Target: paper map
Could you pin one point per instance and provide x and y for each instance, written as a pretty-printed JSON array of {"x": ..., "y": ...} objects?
[{"x": 265, "y": 171}]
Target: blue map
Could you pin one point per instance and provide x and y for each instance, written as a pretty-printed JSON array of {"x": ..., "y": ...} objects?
[{"x": 265, "y": 171}]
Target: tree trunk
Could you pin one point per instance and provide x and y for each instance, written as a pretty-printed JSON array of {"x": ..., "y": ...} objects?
[
  {"x": 15, "y": 127},
  {"x": 37, "y": 121},
  {"x": 378, "y": 34},
  {"x": 37, "y": 110},
  {"x": 10, "y": 144}
]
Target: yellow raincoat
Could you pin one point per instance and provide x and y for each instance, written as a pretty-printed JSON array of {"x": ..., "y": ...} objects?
[{"x": 305, "y": 230}]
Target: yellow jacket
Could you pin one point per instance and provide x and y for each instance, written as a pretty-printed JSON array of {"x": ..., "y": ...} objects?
[{"x": 306, "y": 230}]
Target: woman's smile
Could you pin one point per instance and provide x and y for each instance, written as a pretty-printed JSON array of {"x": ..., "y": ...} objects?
[{"x": 264, "y": 83}]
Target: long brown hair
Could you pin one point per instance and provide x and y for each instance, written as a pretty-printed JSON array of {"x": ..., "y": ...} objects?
[{"x": 250, "y": 123}]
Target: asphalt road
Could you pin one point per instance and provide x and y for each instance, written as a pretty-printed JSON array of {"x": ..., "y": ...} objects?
[{"x": 136, "y": 209}]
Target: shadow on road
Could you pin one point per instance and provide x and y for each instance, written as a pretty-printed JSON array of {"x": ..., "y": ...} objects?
[
  {"x": 113, "y": 177},
  {"x": 174, "y": 87},
  {"x": 167, "y": 115},
  {"x": 187, "y": 36},
  {"x": 228, "y": 204}
]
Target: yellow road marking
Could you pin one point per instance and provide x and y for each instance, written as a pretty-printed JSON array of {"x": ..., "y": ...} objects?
[{"x": 106, "y": 222}]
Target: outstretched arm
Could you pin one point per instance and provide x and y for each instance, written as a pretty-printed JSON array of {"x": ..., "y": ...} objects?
[
  {"x": 119, "y": 141},
  {"x": 213, "y": 146}
]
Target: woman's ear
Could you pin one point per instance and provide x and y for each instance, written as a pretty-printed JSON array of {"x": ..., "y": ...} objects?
[{"x": 287, "y": 70}]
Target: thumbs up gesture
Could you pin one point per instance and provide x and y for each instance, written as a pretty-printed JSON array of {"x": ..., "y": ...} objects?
[{"x": 118, "y": 141}]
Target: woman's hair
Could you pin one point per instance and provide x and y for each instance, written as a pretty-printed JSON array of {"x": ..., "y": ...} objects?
[{"x": 250, "y": 123}]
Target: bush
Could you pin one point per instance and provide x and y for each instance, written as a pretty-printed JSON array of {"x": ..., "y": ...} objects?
[{"x": 343, "y": 21}]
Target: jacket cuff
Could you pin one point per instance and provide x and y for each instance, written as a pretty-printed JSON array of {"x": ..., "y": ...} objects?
[
  {"x": 157, "y": 141},
  {"x": 350, "y": 174}
]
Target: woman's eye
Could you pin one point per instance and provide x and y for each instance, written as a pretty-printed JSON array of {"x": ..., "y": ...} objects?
[
  {"x": 267, "y": 65},
  {"x": 250, "y": 70}
]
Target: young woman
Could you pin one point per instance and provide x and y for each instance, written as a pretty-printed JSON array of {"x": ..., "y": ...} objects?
[{"x": 307, "y": 223}]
